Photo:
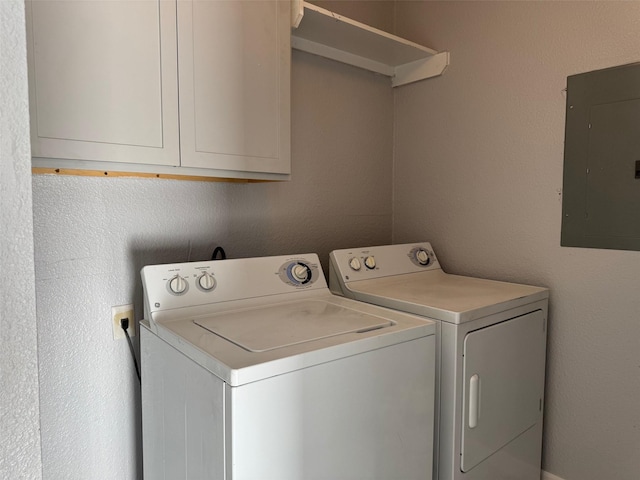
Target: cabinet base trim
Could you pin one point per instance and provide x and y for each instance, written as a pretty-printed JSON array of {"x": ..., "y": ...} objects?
[{"x": 116, "y": 174}]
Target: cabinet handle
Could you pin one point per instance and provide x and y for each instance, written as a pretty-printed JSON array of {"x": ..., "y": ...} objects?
[{"x": 474, "y": 400}]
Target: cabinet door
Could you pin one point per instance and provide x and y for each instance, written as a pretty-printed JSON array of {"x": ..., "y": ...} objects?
[
  {"x": 234, "y": 67},
  {"x": 103, "y": 80}
]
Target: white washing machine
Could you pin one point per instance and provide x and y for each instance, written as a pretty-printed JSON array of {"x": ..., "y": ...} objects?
[
  {"x": 253, "y": 370},
  {"x": 491, "y": 350}
]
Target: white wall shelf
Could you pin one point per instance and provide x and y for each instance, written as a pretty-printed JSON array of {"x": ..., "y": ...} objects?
[{"x": 325, "y": 33}]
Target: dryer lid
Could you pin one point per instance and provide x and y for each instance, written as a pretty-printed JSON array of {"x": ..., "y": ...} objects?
[
  {"x": 262, "y": 329},
  {"x": 445, "y": 297}
]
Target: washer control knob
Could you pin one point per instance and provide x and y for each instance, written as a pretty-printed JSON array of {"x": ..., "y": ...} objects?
[
  {"x": 370, "y": 262},
  {"x": 206, "y": 282},
  {"x": 177, "y": 285},
  {"x": 422, "y": 256},
  {"x": 355, "y": 264},
  {"x": 301, "y": 273}
]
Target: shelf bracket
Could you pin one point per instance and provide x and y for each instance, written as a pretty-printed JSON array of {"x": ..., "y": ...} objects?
[{"x": 420, "y": 69}]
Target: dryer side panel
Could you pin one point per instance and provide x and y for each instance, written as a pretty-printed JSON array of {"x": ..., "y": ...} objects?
[{"x": 503, "y": 385}]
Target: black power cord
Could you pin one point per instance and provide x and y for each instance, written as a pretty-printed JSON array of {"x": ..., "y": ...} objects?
[
  {"x": 216, "y": 251},
  {"x": 124, "y": 323}
]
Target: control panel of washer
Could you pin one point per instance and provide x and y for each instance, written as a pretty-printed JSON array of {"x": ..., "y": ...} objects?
[
  {"x": 188, "y": 284},
  {"x": 298, "y": 273},
  {"x": 179, "y": 285},
  {"x": 422, "y": 256},
  {"x": 375, "y": 262}
]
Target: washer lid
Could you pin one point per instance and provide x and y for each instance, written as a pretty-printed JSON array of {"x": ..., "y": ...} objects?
[
  {"x": 262, "y": 329},
  {"x": 250, "y": 340}
]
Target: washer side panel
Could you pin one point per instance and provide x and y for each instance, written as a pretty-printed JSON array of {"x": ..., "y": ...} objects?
[{"x": 182, "y": 414}]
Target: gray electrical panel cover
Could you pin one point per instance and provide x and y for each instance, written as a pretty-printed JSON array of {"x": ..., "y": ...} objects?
[{"x": 601, "y": 184}]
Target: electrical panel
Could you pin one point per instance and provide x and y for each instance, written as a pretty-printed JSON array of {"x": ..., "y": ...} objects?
[{"x": 601, "y": 184}]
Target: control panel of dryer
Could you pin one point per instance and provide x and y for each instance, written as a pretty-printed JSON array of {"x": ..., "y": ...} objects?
[
  {"x": 364, "y": 263},
  {"x": 179, "y": 285}
]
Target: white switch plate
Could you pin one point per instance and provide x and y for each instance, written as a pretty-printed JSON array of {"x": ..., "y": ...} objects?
[{"x": 118, "y": 313}]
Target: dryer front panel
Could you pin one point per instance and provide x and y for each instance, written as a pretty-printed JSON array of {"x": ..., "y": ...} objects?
[{"x": 503, "y": 385}]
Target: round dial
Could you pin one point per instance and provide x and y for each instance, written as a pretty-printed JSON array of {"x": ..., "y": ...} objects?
[
  {"x": 370, "y": 262},
  {"x": 177, "y": 284},
  {"x": 206, "y": 282},
  {"x": 301, "y": 273},
  {"x": 298, "y": 273},
  {"x": 355, "y": 264},
  {"x": 422, "y": 256}
]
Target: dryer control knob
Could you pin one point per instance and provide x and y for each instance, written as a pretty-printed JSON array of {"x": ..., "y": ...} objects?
[
  {"x": 370, "y": 262},
  {"x": 206, "y": 281},
  {"x": 301, "y": 273},
  {"x": 177, "y": 284},
  {"x": 423, "y": 257},
  {"x": 355, "y": 264}
]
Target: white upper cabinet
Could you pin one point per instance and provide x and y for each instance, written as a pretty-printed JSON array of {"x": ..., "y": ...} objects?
[
  {"x": 234, "y": 64},
  {"x": 187, "y": 87},
  {"x": 103, "y": 80}
]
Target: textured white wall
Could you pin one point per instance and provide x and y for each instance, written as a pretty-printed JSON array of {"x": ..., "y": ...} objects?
[
  {"x": 92, "y": 235},
  {"x": 478, "y": 171},
  {"x": 19, "y": 414}
]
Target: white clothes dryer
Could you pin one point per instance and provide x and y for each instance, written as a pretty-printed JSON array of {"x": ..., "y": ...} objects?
[
  {"x": 252, "y": 369},
  {"x": 491, "y": 351}
]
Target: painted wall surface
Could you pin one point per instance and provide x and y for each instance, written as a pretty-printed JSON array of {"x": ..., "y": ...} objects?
[
  {"x": 19, "y": 414},
  {"x": 478, "y": 172},
  {"x": 92, "y": 236},
  {"x": 376, "y": 13}
]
